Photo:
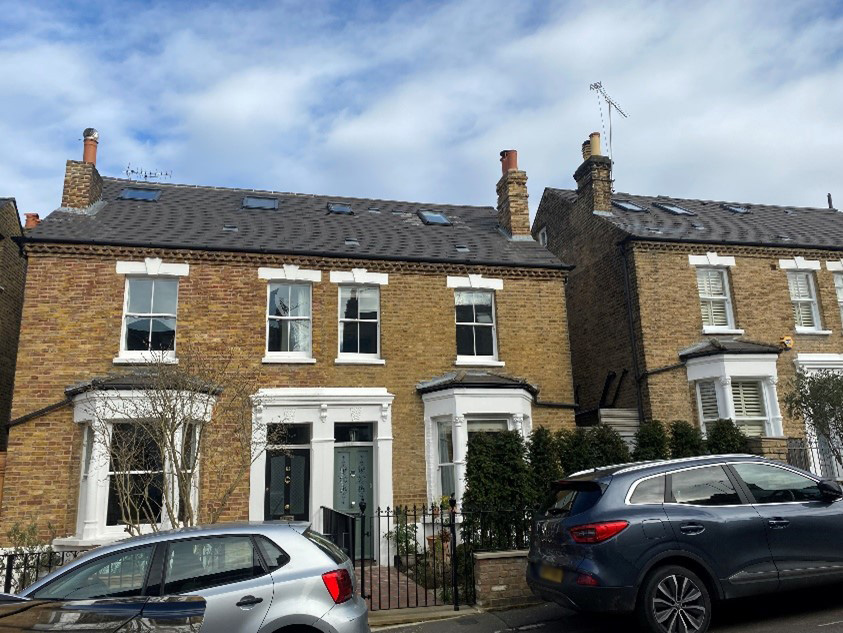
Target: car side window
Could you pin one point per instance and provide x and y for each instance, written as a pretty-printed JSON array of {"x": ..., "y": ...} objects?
[
  {"x": 707, "y": 486},
  {"x": 648, "y": 491},
  {"x": 273, "y": 556},
  {"x": 769, "y": 484},
  {"x": 118, "y": 575},
  {"x": 208, "y": 562}
]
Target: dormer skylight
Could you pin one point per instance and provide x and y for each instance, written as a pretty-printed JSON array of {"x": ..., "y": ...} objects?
[
  {"x": 734, "y": 208},
  {"x": 340, "y": 208},
  {"x": 626, "y": 205},
  {"x": 260, "y": 202},
  {"x": 675, "y": 209},
  {"x": 135, "y": 193},
  {"x": 434, "y": 218}
]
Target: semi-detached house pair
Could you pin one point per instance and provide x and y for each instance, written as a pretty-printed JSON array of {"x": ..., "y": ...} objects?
[{"x": 383, "y": 333}]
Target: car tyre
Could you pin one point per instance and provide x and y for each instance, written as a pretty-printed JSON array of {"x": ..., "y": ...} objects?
[{"x": 674, "y": 599}]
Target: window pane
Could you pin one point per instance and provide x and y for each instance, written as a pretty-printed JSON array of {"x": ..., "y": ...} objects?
[
  {"x": 299, "y": 332},
  {"x": 368, "y": 338},
  {"x": 704, "y": 487},
  {"x": 465, "y": 340},
  {"x": 348, "y": 338},
  {"x": 273, "y": 342},
  {"x": 163, "y": 334},
  {"x": 300, "y": 300},
  {"x": 484, "y": 340},
  {"x": 487, "y": 426},
  {"x": 483, "y": 307},
  {"x": 143, "y": 494},
  {"x": 708, "y": 400},
  {"x": 446, "y": 445},
  {"x": 279, "y": 300},
  {"x": 464, "y": 306},
  {"x": 352, "y": 432},
  {"x": 749, "y": 399},
  {"x": 368, "y": 302},
  {"x": 838, "y": 285},
  {"x": 803, "y": 313},
  {"x": 119, "y": 575},
  {"x": 348, "y": 303},
  {"x": 447, "y": 480},
  {"x": 140, "y": 296},
  {"x": 165, "y": 296},
  {"x": 769, "y": 484},
  {"x": 273, "y": 555},
  {"x": 649, "y": 491},
  {"x": 137, "y": 334},
  {"x": 200, "y": 563},
  {"x": 800, "y": 285}
]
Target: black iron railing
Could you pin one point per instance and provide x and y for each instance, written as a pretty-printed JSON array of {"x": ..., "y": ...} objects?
[
  {"x": 817, "y": 457},
  {"x": 19, "y": 570}
]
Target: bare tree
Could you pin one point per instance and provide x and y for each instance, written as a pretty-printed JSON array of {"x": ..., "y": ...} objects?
[
  {"x": 817, "y": 397},
  {"x": 166, "y": 428}
]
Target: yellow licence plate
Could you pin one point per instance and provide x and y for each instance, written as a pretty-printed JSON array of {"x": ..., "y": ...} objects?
[{"x": 553, "y": 574}]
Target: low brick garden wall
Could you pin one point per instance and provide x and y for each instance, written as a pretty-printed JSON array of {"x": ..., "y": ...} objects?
[{"x": 500, "y": 579}]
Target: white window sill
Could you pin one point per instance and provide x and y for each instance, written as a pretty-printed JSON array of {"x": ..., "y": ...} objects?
[
  {"x": 468, "y": 361},
  {"x": 713, "y": 329},
  {"x": 288, "y": 360},
  {"x": 145, "y": 360},
  {"x": 812, "y": 332},
  {"x": 358, "y": 360}
]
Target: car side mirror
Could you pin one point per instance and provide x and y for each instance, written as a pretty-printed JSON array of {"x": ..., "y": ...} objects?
[{"x": 830, "y": 489}]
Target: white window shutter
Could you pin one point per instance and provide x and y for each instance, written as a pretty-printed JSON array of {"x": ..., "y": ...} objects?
[{"x": 708, "y": 401}]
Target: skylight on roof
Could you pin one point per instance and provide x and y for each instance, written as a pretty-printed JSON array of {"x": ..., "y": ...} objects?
[
  {"x": 675, "y": 209},
  {"x": 626, "y": 205},
  {"x": 230, "y": 228},
  {"x": 340, "y": 208},
  {"x": 735, "y": 208},
  {"x": 434, "y": 217},
  {"x": 132, "y": 193},
  {"x": 260, "y": 202},
  {"x": 352, "y": 241},
  {"x": 374, "y": 210},
  {"x": 462, "y": 248}
]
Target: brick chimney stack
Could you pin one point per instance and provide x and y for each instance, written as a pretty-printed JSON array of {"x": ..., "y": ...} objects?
[
  {"x": 82, "y": 181},
  {"x": 513, "y": 213},
  {"x": 594, "y": 176},
  {"x": 32, "y": 220}
]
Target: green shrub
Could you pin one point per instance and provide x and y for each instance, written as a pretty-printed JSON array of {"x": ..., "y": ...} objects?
[
  {"x": 724, "y": 437},
  {"x": 686, "y": 440},
  {"x": 496, "y": 475},
  {"x": 590, "y": 447},
  {"x": 650, "y": 442},
  {"x": 543, "y": 458}
]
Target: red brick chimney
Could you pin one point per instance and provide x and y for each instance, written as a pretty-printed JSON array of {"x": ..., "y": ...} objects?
[
  {"x": 594, "y": 176},
  {"x": 32, "y": 220},
  {"x": 82, "y": 181},
  {"x": 513, "y": 213}
]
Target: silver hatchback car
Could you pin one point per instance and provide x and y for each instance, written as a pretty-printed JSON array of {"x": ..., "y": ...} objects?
[{"x": 254, "y": 577}]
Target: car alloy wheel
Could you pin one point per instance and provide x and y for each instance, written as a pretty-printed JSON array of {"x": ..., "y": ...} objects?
[{"x": 675, "y": 600}]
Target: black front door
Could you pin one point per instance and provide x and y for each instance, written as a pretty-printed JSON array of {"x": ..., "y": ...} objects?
[{"x": 287, "y": 492}]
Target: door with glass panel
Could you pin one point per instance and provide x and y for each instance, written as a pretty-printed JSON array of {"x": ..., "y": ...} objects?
[
  {"x": 353, "y": 481},
  {"x": 287, "y": 493}
]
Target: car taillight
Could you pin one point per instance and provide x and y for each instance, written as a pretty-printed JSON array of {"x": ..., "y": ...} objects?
[
  {"x": 597, "y": 532},
  {"x": 587, "y": 580},
  {"x": 338, "y": 583}
]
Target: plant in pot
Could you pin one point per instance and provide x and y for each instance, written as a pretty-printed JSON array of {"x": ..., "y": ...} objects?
[{"x": 402, "y": 539}]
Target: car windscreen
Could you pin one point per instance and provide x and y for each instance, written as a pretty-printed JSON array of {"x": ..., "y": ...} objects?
[
  {"x": 334, "y": 552},
  {"x": 570, "y": 498}
]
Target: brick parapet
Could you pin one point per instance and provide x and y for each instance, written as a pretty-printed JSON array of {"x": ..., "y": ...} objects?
[{"x": 500, "y": 579}]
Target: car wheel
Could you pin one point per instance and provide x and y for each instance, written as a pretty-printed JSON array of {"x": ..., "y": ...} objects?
[{"x": 674, "y": 600}]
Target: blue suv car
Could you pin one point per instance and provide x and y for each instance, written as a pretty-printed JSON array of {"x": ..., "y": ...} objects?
[{"x": 665, "y": 538}]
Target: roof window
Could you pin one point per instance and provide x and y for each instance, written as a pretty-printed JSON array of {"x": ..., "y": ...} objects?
[
  {"x": 340, "y": 208},
  {"x": 352, "y": 241},
  {"x": 626, "y": 205},
  {"x": 230, "y": 228},
  {"x": 260, "y": 202},
  {"x": 462, "y": 248},
  {"x": 734, "y": 208},
  {"x": 133, "y": 193},
  {"x": 374, "y": 209},
  {"x": 434, "y": 218},
  {"x": 675, "y": 209}
]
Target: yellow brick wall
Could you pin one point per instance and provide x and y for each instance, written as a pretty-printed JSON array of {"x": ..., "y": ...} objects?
[{"x": 71, "y": 329}]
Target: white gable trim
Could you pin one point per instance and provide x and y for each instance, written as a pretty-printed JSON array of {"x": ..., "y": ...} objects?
[
  {"x": 475, "y": 281},
  {"x": 153, "y": 267},
  {"x": 711, "y": 259},
  {"x": 358, "y": 276},
  {"x": 290, "y": 272},
  {"x": 836, "y": 267},
  {"x": 799, "y": 263}
]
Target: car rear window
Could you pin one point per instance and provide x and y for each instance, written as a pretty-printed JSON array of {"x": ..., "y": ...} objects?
[
  {"x": 571, "y": 500},
  {"x": 648, "y": 491},
  {"x": 334, "y": 552}
]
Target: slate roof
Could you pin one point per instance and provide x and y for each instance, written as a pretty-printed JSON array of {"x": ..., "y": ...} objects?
[
  {"x": 474, "y": 378},
  {"x": 766, "y": 225},
  {"x": 715, "y": 346},
  {"x": 193, "y": 217}
]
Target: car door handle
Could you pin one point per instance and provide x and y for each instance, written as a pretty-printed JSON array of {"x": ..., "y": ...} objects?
[
  {"x": 778, "y": 523},
  {"x": 692, "y": 529},
  {"x": 249, "y": 601}
]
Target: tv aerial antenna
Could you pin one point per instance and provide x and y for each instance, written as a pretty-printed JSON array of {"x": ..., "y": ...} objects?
[
  {"x": 597, "y": 86},
  {"x": 138, "y": 173}
]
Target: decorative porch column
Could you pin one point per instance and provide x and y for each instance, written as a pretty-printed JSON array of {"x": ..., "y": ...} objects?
[{"x": 460, "y": 448}]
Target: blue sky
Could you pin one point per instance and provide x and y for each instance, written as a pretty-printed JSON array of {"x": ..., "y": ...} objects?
[{"x": 414, "y": 100}]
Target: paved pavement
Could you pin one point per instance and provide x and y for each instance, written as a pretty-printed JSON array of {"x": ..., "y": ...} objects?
[{"x": 818, "y": 610}]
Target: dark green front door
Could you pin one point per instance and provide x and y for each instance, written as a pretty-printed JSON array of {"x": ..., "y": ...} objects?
[
  {"x": 353, "y": 484},
  {"x": 287, "y": 492}
]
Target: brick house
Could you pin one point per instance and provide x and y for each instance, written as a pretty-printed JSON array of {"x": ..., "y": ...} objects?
[
  {"x": 412, "y": 325},
  {"x": 693, "y": 309},
  {"x": 12, "y": 276}
]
